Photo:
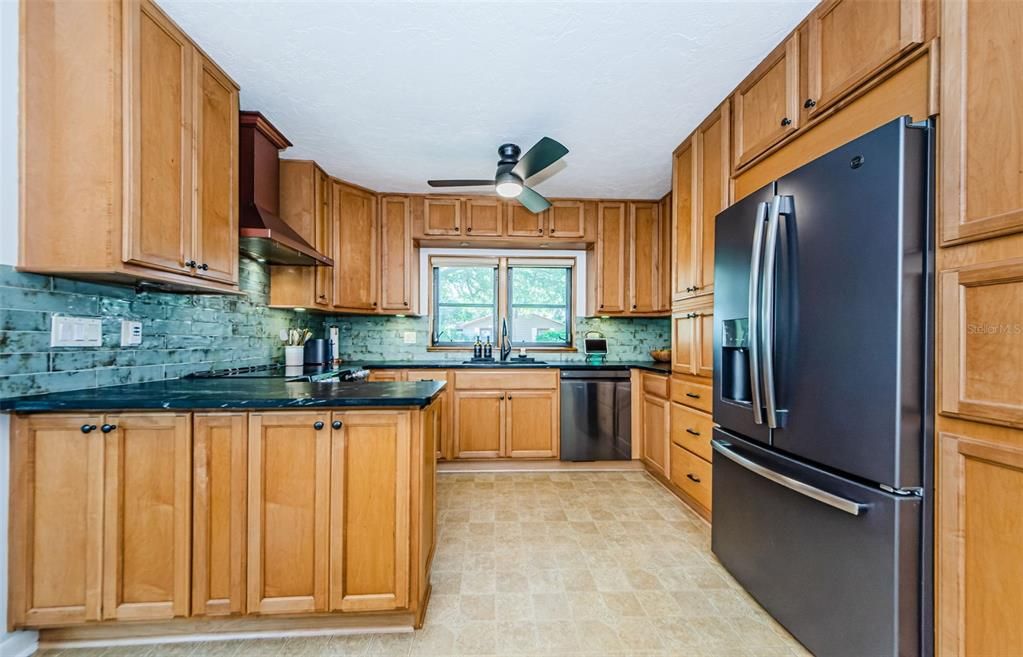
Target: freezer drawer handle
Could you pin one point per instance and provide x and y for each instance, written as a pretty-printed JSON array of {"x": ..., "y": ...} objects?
[{"x": 832, "y": 500}]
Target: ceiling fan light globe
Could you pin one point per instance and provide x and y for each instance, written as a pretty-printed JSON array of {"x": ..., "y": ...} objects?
[{"x": 508, "y": 189}]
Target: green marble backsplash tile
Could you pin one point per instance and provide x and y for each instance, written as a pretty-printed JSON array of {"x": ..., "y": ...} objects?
[
  {"x": 382, "y": 338},
  {"x": 182, "y": 333}
]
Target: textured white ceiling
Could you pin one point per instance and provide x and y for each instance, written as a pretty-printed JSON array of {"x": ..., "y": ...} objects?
[{"x": 387, "y": 95}]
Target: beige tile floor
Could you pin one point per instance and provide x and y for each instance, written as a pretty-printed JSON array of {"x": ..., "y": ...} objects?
[{"x": 579, "y": 564}]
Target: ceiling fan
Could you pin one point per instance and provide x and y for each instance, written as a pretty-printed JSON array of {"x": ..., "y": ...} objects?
[{"x": 513, "y": 171}]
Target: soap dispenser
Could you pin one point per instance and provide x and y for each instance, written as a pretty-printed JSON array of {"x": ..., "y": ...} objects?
[
  {"x": 488, "y": 349},
  {"x": 477, "y": 349}
]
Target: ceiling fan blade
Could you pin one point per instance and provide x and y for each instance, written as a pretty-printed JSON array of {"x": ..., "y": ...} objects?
[
  {"x": 459, "y": 183},
  {"x": 543, "y": 154},
  {"x": 533, "y": 201}
]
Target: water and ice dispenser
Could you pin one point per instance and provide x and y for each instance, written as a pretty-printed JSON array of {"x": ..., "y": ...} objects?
[{"x": 735, "y": 366}]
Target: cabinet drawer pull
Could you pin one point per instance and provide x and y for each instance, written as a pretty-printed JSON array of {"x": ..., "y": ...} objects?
[
  {"x": 336, "y": 424},
  {"x": 107, "y": 428},
  {"x": 318, "y": 425},
  {"x": 691, "y": 477},
  {"x": 86, "y": 428},
  {"x": 692, "y": 395},
  {"x": 691, "y": 432}
]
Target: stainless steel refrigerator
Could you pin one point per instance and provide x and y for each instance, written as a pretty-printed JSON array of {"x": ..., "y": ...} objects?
[{"x": 822, "y": 391}]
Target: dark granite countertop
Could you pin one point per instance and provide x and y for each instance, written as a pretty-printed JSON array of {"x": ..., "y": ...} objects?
[
  {"x": 216, "y": 394},
  {"x": 649, "y": 365}
]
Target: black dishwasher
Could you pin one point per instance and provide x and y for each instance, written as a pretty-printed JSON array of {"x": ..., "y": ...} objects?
[{"x": 596, "y": 415}]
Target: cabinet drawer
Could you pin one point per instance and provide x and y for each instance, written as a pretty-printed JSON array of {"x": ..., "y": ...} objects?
[
  {"x": 426, "y": 375},
  {"x": 697, "y": 395},
  {"x": 692, "y": 474},
  {"x": 691, "y": 429},
  {"x": 385, "y": 375},
  {"x": 655, "y": 385},
  {"x": 505, "y": 380}
]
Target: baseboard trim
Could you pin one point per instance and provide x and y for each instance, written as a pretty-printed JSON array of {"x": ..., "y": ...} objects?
[
  {"x": 448, "y": 467},
  {"x": 19, "y": 644}
]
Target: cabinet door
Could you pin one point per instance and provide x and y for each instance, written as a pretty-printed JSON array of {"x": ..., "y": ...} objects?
[
  {"x": 980, "y": 316},
  {"x": 369, "y": 526},
  {"x": 396, "y": 254},
  {"x": 664, "y": 209},
  {"x": 655, "y": 432},
  {"x": 532, "y": 424},
  {"x": 644, "y": 263},
  {"x": 520, "y": 222},
  {"x": 159, "y": 88},
  {"x": 766, "y": 104},
  {"x": 355, "y": 263},
  {"x": 980, "y": 163},
  {"x": 289, "y": 503},
  {"x": 483, "y": 217},
  {"x": 704, "y": 345},
  {"x": 442, "y": 215},
  {"x": 216, "y": 218},
  {"x": 713, "y": 180},
  {"x": 219, "y": 490},
  {"x": 683, "y": 231},
  {"x": 979, "y": 540},
  {"x": 850, "y": 40},
  {"x": 147, "y": 493},
  {"x": 56, "y": 532},
  {"x": 479, "y": 424},
  {"x": 612, "y": 225},
  {"x": 566, "y": 219},
  {"x": 443, "y": 403},
  {"x": 683, "y": 344},
  {"x": 386, "y": 375},
  {"x": 323, "y": 284}
]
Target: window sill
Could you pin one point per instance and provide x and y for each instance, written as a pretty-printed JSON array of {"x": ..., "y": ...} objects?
[{"x": 514, "y": 349}]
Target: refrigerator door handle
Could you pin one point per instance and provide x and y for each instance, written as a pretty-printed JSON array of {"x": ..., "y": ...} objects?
[
  {"x": 841, "y": 503},
  {"x": 754, "y": 311},
  {"x": 767, "y": 305}
]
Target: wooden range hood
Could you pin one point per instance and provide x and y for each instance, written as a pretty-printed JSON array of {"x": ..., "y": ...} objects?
[{"x": 263, "y": 234}]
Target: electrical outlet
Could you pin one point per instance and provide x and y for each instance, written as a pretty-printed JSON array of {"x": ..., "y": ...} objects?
[
  {"x": 410, "y": 337},
  {"x": 75, "y": 331},
  {"x": 131, "y": 333}
]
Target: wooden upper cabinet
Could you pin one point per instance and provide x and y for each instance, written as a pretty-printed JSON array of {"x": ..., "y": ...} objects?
[
  {"x": 370, "y": 490},
  {"x": 158, "y": 225},
  {"x": 147, "y": 516},
  {"x": 705, "y": 342},
  {"x": 850, "y": 40},
  {"x": 611, "y": 249},
  {"x": 323, "y": 277},
  {"x": 288, "y": 512},
  {"x": 980, "y": 324},
  {"x": 442, "y": 215},
  {"x": 56, "y": 530},
  {"x": 356, "y": 264},
  {"x": 397, "y": 265},
  {"x": 483, "y": 217},
  {"x": 520, "y": 222},
  {"x": 216, "y": 220},
  {"x": 566, "y": 219},
  {"x": 766, "y": 106},
  {"x": 980, "y": 158},
  {"x": 644, "y": 263},
  {"x": 532, "y": 424},
  {"x": 478, "y": 423},
  {"x": 683, "y": 238},
  {"x": 683, "y": 343},
  {"x": 979, "y": 539},
  {"x": 305, "y": 204},
  {"x": 219, "y": 494},
  {"x": 713, "y": 181}
]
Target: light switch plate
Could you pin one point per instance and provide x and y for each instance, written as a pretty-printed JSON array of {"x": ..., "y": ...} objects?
[
  {"x": 131, "y": 333},
  {"x": 410, "y": 337},
  {"x": 68, "y": 331}
]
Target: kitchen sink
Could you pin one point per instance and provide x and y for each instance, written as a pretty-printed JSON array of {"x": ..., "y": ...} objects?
[{"x": 500, "y": 363}]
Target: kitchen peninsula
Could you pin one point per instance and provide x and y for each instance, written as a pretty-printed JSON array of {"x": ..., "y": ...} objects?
[{"x": 307, "y": 504}]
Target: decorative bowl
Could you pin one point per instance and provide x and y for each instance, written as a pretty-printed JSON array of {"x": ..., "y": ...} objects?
[{"x": 661, "y": 355}]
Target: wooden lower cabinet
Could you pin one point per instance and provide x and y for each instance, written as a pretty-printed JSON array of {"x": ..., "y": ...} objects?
[
  {"x": 532, "y": 424},
  {"x": 479, "y": 423},
  {"x": 369, "y": 526},
  {"x": 219, "y": 497},
  {"x": 693, "y": 475},
  {"x": 655, "y": 433},
  {"x": 288, "y": 514},
  {"x": 979, "y": 540},
  {"x": 56, "y": 530},
  {"x": 443, "y": 401}
]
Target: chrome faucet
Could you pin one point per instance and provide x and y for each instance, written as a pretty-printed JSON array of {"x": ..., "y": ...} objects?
[{"x": 505, "y": 343}]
